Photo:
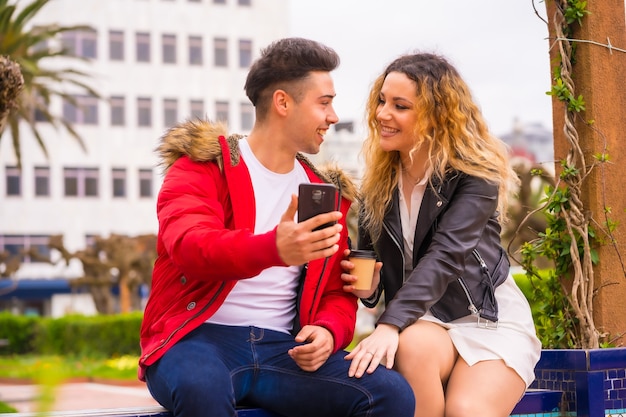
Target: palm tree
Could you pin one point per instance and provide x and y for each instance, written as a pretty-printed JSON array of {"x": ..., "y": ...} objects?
[{"x": 29, "y": 47}]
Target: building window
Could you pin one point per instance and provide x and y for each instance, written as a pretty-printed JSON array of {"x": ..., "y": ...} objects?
[
  {"x": 194, "y": 1},
  {"x": 118, "y": 111},
  {"x": 145, "y": 183},
  {"x": 169, "y": 49},
  {"x": 219, "y": 1},
  {"x": 247, "y": 116},
  {"x": 81, "y": 110},
  {"x": 41, "y": 108},
  {"x": 14, "y": 181},
  {"x": 244, "y": 2},
  {"x": 197, "y": 109},
  {"x": 245, "y": 53},
  {"x": 220, "y": 46},
  {"x": 116, "y": 45},
  {"x": 144, "y": 112},
  {"x": 80, "y": 182},
  {"x": 28, "y": 248},
  {"x": 119, "y": 182},
  {"x": 143, "y": 47},
  {"x": 42, "y": 181},
  {"x": 82, "y": 43},
  {"x": 195, "y": 50},
  {"x": 170, "y": 111},
  {"x": 221, "y": 111}
]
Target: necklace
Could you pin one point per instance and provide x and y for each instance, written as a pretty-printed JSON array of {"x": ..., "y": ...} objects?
[{"x": 412, "y": 179}]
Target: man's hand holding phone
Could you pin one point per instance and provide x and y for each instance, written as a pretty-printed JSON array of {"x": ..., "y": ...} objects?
[{"x": 317, "y": 232}]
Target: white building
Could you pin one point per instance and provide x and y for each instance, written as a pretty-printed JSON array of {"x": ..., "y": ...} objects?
[{"x": 154, "y": 62}]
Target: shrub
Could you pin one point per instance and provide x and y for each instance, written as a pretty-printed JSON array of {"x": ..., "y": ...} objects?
[
  {"x": 550, "y": 308},
  {"x": 90, "y": 336},
  {"x": 18, "y": 331}
]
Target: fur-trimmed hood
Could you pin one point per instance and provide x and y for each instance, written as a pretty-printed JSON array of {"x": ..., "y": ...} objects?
[{"x": 199, "y": 140}]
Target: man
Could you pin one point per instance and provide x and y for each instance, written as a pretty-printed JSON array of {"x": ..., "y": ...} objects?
[{"x": 247, "y": 306}]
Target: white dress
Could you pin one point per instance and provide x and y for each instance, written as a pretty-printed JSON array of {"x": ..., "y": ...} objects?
[{"x": 514, "y": 340}]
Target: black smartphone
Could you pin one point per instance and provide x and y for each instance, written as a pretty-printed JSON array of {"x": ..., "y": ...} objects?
[{"x": 314, "y": 199}]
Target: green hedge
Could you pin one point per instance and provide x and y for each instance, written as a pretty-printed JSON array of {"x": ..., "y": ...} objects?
[{"x": 93, "y": 336}]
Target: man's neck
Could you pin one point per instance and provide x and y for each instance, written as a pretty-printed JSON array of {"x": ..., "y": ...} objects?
[{"x": 271, "y": 151}]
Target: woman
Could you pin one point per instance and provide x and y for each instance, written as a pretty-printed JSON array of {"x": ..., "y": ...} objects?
[{"x": 434, "y": 194}]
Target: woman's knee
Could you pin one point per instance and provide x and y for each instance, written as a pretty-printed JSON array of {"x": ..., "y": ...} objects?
[
  {"x": 463, "y": 406},
  {"x": 425, "y": 346}
]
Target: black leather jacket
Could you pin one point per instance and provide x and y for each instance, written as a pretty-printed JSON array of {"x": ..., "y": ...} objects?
[{"x": 458, "y": 259}]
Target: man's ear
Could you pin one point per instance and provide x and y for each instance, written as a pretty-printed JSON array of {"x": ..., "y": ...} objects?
[{"x": 281, "y": 101}]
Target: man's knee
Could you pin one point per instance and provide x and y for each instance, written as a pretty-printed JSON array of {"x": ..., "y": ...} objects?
[{"x": 396, "y": 392}]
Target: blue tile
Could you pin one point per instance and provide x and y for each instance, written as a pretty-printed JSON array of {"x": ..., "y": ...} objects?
[
  {"x": 537, "y": 401},
  {"x": 562, "y": 359},
  {"x": 607, "y": 358}
]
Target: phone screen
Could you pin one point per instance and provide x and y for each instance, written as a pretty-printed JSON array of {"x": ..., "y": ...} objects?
[{"x": 314, "y": 199}]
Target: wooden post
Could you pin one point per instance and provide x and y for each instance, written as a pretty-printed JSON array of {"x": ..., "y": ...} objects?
[{"x": 599, "y": 74}]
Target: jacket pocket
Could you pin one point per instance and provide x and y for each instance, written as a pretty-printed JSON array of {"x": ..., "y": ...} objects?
[{"x": 474, "y": 293}]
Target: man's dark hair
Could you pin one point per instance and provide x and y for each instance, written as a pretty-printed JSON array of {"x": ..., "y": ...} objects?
[{"x": 282, "y": 64}]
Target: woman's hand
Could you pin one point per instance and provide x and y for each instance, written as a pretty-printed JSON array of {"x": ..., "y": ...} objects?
[
  {"x": 349, "y": 279},
  {"x": 378, "y": 348}
]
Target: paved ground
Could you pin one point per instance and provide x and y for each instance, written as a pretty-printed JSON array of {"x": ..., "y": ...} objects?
[{"x": 77, "y": 396}]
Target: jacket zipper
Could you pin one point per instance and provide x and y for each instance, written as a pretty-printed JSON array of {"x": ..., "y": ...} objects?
[
  {"x": 483, "y": 266},
  {"x": 317, "y": 287},
  {"x": 471, "y": 307}
]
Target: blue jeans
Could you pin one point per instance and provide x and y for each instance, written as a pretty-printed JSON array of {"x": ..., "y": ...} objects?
[{"x": 215, "y": 368}]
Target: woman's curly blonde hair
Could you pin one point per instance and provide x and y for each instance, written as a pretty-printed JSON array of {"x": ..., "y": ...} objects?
[{"x": 451, "y": 127}]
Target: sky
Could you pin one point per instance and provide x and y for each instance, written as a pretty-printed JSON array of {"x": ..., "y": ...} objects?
[{"x": 500, "y": 47}]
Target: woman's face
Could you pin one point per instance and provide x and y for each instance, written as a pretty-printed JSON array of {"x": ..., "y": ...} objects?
[{"x": 396, "y": 114}]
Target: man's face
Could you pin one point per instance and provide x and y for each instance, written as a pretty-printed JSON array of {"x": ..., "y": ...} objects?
[{"x": 312, "y": 116}]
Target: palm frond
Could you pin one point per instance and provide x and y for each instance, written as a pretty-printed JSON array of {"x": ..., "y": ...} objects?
[{"x": 31, "y": 46}]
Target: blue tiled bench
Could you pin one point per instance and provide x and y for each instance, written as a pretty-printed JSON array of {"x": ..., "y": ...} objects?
[
  {"x": 539, "y": 402},
  {"x": 535, "y": 403}
]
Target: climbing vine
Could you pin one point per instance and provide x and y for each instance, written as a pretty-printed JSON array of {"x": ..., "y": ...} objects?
[{"x": 572, "y": 234}]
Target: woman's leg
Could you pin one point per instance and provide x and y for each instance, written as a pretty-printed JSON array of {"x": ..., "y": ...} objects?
[
  {"x": 486, "y": 389},
  {"x": 426, "y": 357}
]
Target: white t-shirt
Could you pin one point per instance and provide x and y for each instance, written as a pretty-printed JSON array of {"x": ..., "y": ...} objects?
[{"x": 269, "y": 299}]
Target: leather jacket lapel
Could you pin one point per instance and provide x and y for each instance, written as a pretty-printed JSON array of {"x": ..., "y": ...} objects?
[{"x": 392, "y": 221}]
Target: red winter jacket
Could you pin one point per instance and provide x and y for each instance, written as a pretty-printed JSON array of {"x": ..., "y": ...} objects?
[{"x": 206, "y": 213}]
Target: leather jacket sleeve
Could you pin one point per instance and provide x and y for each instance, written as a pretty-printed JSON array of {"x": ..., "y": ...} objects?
[{"x": 456, "y": 218}]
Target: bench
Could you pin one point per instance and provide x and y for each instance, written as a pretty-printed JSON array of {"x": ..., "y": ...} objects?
[
  {"x": 534, "y": 402},
  {"x": 539, "y": 401},
  {"x": 153, "y": 411}
]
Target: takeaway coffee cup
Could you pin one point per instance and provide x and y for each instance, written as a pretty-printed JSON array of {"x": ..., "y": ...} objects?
[{"x": 364, "y": 262}]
